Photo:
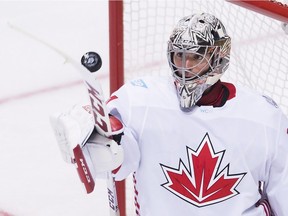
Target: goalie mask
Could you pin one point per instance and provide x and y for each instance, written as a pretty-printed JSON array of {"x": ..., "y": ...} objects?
[{"x": 198, "y": 55}]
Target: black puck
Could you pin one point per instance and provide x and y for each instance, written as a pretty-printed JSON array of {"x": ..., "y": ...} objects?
[{"x": 92, "y": 61}]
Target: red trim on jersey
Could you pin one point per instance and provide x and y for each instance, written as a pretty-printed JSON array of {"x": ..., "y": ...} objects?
[
  {"x": 136, "y": 203},
  {"x": 116, "y": 170},
  {"x": 113, "y": 97}
]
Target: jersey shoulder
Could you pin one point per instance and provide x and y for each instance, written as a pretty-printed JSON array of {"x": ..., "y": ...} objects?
[
  {"x": 252, "y": 98},
  {"x": 144, "y": 92},
  {"x": 256, "y": 106},
  {"x": 150, "y": 90}
]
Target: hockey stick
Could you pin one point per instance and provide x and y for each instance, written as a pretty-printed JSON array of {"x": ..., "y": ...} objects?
[{"x": 92, "y": 62}]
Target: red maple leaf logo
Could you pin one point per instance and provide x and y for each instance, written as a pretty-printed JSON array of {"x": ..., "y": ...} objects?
[{"x": 202, "y": 183}]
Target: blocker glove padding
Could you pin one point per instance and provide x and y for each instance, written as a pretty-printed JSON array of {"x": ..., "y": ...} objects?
[{"x": 76, "y": 127}]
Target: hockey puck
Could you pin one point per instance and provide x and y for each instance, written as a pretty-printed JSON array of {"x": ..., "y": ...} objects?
[{"x": 92, "y": 61}]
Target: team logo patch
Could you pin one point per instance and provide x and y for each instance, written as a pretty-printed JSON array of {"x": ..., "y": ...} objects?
[
  {"x": 139, "y": 82},
  {"x": 201, "y": 182}
]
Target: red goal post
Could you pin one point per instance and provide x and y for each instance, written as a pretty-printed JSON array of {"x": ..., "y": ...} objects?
[
  {"x": 139, "y": 30},
  {"x": 271, "y": 8}
]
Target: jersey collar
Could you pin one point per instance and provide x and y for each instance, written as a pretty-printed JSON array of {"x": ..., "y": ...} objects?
[{"x": 218, "y": 95}]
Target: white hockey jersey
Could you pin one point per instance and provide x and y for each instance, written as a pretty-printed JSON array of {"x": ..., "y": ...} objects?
[{"x": 206, "y": 162}]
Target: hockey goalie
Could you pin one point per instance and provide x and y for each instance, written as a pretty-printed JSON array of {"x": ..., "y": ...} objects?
[{"x": 197, "y": 145}]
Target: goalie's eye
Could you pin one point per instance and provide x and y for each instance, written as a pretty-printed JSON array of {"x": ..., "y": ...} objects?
[
  {"x": 187, "y": 60},
  {"x": 179, "y": 55}
]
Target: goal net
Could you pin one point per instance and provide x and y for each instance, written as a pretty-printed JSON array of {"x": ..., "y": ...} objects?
[{"x": 259, "y": 55}]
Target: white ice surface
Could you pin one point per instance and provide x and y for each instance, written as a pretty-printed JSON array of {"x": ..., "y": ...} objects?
[{"x": 34, "y": 83}]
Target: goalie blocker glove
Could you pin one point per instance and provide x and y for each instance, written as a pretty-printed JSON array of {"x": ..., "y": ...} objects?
[{"x": 80, "y": 144}]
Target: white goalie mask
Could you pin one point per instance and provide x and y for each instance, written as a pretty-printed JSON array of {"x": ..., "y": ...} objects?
[{"x": 198, "y": 55}]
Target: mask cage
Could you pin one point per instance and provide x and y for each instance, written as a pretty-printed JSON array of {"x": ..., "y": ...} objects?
[{"x": 204, "y": 59}]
